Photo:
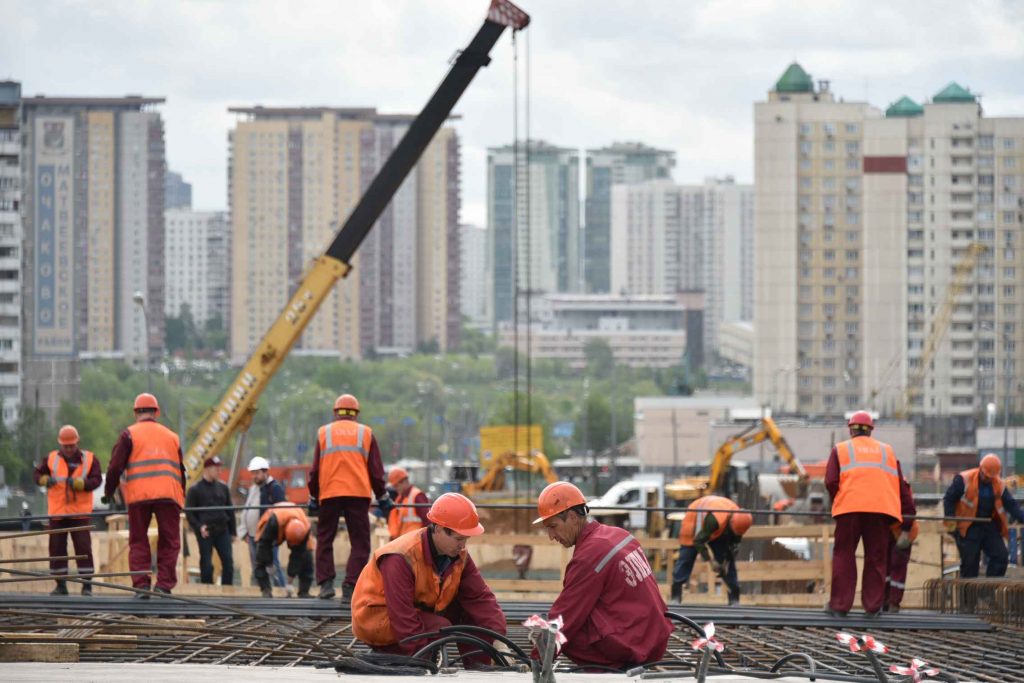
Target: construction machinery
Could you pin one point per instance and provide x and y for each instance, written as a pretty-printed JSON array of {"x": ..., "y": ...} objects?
[
  {"x": 234, "y": 413},
  {"x": 496, "y": 465}
]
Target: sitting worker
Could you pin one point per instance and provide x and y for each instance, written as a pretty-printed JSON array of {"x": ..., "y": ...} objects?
[
  {"x": 424, "y": 581},
  {"x": 402, "y": 520},
  {"x": 284, "y": 522},
  {"x": 711, "y": 522},
  {"x": 612, "y": 610},
  {"x": 899, "y": 552},
  {"x": 980, "y": 492}
]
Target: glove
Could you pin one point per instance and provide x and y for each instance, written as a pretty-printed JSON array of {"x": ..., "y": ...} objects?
[
  {"x": 502, "y": 647},
  {"x": 78, "y": 484},
  {"x": 46, "y": 481},
  {"x": 950, "y": 526},
  {"x": 105, "y": 500},
  {"x": 716, "y": 567},
  {"x": 903, "y": 542},
  {"x": 313, "y": 506},
  {"x": 385, "y": 505}
]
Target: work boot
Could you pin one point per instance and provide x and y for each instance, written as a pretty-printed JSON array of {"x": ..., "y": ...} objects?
[
  {"x": 266, "y": 592},
  {"x": 304, "y": 594},
  {"x": 346, "y": 593},
  {"x": 893, "y": 609},
  {"x": 676, "y": 597},
  {"x": 873, "y": 615},
  {"x": 834, "y": 612},
  {"x": 162, "y": 591},
  {"x": 326, "y": 589},
  {"x": 61, "y": 589},
  {"x": 141, "y": 596},
  {"x": 87, "y": 590}
]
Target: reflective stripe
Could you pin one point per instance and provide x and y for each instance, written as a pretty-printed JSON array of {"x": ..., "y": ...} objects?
[
  {"x": 897, "y": 584},
  {"x": 876, "y": 465},
  {"x": 358, "y": 448},
  {"x": 611, "y": 553},
  {"x": 967, "y": 501},
  {"x": 152, "y": 461},
  {"x": 158, "y": 473}
]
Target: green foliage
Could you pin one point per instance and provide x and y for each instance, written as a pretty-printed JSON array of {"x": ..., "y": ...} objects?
[
  {"x": 182, "y": 335},
  {"x": 96, "y": 429},
  {"x": 600, "y": 359}
]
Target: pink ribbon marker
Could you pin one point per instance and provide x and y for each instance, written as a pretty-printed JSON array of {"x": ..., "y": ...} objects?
[
  {"x": 916, "y": 670},
  {"x": 555, "y": 626},
  {"x": 708, "y": 641},
  {"x": 867, "y": 642}
]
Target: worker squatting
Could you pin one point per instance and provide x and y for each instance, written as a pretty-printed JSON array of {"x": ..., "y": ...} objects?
[{"x": 424, "y": 579}]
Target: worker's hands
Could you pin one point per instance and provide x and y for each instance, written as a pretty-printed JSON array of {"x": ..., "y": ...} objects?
[
  {"x": 386, "y": 505},
  {"x": 903, "y": 542},
  {"x": 204, "y": 532},
  {"x": 716, "y": 567},
  {"x": 313, "y": 506},
  {"x": 78, "y": 484},
  {"x": 950, "y": 525},
  {"x": 105, "y": 500},
  {"x": 502, "y": 647},
  {"x": 46, "y": 481}
]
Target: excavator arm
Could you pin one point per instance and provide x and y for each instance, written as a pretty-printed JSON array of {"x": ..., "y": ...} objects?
[
  {"x": 766, "y": 429},
  {"x": 494, "y": 478},
  {"x": 235, "y": 410}
]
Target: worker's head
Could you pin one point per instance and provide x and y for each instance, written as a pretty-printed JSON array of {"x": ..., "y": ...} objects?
[
  {"x": 562, "y": 511},
  {"x": 399, "y": 479},
  {"x": 454, "y": 520},
  {"x": 211, "y": 467},
  {"x": 861, "y": 423},
  {"x": 296, "y": 532},
  {"x": 990, "y": 467},
  {"x": 67, "y": 437},
  {"x": 739, "y": 522},
  {"x": 260, "y": 469},
  {"x": 146, "y": 407},
  {"x": 346, "y": 405}
]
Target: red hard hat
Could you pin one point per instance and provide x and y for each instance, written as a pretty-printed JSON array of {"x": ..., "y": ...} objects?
[
  {"x": 556, "y": 498},
  {"x": 861, "y": 417},
  {"x": 346, "y": 402},
  {"x": 456, "y": 512},
  {"x": 147, "y": 402},
  {"x": 67, "y": 436},
  {"x": 396, "y": 474},
  {"x": 740, "y": 522},
  {"x": 991, "y": 465},
  {"x": 296, "y": 531}
]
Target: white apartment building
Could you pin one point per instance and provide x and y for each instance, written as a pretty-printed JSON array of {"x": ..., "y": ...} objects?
[
  {"x": 10, "y": 251},
  {"x": 197, "y": 263},
  {"x": 472, "y": 274}
]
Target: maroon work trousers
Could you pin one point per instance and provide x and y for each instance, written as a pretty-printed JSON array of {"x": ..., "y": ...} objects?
[
  {"x": 357, "y": 520},
  {"x": 851, "y": 527},
  {"x": 168, "y": 544},
  {"x": 81, "y": 540},
  {"x": 896, "y": 581},
  {"x": 452, "y": 616}
]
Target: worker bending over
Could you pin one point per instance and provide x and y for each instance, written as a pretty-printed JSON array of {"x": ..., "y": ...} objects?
[
  {"x": 402, "y": 520},
  {"x": 612, "y": 610},
  {"x": 711, "y": 521},
  {"x": 284, "y": 522},
  {"x": 424, "y": 581},
  {"x": 980, "y": 492},
  {"x": 70, "y": 475}
]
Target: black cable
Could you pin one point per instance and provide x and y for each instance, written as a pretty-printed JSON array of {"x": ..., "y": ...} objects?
[{"x": 486, "y": 647}]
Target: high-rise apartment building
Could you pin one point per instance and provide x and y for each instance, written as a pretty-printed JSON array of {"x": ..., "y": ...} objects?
[
  {"x": 620, "y": 163},
  {"x": 884, "y": 239},
  {"x": 535, "y": 232},
  {"x": 93, "y": 216},
  {"x": 472, "y": 274},
  {"x": 177, "y": 193},
  {"x": 295, "y": 175},
  {"x": 197, "y": 246},
  {"x": 10, "y": 251}
]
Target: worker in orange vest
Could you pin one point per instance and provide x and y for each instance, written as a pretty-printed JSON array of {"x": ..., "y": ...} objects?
[
  {"x": 146, "y": 464},
  {"x": 402, "y": 520},
  {"x": 863, "y": 477},
  {"x": 424, "y": 581},
  {"x": 711, "y": 522},
  {"x": 70, "y": 475},
  {"x": 347, "y": 472},
  {"x": 284, "y": 522},
  {"x": 980, "y": 492}
]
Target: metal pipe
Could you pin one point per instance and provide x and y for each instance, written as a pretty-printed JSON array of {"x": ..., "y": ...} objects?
[
  {"x": 43, "y": 532},
  {"x": 45, "y": 559}
]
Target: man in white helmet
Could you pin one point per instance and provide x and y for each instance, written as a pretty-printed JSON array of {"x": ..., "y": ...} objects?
[{"x": 264, "y": 493}]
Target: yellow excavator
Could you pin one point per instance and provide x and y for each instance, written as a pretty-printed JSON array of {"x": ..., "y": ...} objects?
[{"x": 495, "y": 466}]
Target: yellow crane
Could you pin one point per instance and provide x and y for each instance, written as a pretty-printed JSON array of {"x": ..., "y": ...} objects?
[
  {"x": 235, "y": 410},
  {"x": 494, "y": 477}
]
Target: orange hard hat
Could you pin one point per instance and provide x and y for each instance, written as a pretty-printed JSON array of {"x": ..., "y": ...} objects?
[
  {"x": 396, "y": 474},
  {"x": 556, "y": 498},
  {"x": 861, "y": 417},
  {"x": 991, "y": 465},
  {"x": 67, "y": 436},
  {"x": 296, "y": 531},
  {"x": 740, "y": 522},
  {"x": 456, "y": 512},
  {"x": 147, "y": 402},
  {"x": 346, "y": 402}
]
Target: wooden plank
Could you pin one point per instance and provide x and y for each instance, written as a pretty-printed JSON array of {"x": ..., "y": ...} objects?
[
  {"x": 788, "y": 531},
  {"x": 525, "y": 585},
  {"x": 38, "y": 652},
  {"x": 123, "y": 642}
]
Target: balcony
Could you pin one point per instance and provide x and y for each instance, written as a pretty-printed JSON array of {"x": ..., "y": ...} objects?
[{"x": 11, "y": 147}]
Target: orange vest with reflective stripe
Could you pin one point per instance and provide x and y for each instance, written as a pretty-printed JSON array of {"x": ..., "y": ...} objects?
[
  {"x": 370, "y": 621},
  {"x": 344, "y": 451},
  {"x": 285, "y": 513},
  {"x": 869, "y": 479},
  {"x": 403, "y": 520},
  {"x": 153, "y": 471},
  {"x": 967, "y": 506},
  {"x": 62, "y": 499},
  {"x": 698, "y": 511}
]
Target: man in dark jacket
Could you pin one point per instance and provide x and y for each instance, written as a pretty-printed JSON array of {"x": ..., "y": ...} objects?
[{"x": 213, "y": 528}]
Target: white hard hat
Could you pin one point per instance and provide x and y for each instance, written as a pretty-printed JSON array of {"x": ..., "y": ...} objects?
[{"x": 258, "y": 463}]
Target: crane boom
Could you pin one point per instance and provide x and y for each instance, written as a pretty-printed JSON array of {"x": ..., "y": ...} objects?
[{"x": 235, "y": 410}]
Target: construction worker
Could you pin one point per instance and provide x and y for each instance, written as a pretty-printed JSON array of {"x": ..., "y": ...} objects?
[
  {"x": 347, "y": 472},
  {"x": 901, "y": 541},
  {"x": 70, "y": 475},
  {"x": 402, "y": 520},
  {"x": 980, "y": 492},
  {"x": 214, "y": 529},
  {"x": 285, "y": 522},
  {"x": 610, "y": 603},
  {"x": 425, "y": 580},
  {"x": 146, "y": 463},
  {"x": 711, "y": 521},
  {"x": 863, "y": 477},
  {"x": 264, "y": 492}
]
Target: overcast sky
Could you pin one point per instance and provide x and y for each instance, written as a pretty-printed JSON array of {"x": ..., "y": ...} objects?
[{"x": 674, "y": 74}]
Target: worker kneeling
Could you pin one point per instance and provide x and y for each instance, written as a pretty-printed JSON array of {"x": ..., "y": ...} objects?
[
  {"x": 612, "y": 610},
  {"x": 423, "y": 581},
  {"x": 711, "y": 522},
  {"x": 284, "y": 522}
]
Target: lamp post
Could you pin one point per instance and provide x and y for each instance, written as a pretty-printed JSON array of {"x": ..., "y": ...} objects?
[{"x": 141, "y": 301}]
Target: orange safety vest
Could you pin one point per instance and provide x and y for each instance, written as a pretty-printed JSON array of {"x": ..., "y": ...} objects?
[
  {"x": 285, "y": 513},
  {"x": 153, "y": 471},
  {"x": 403, "y": 520},
  {"x": 62, "y": 498},
  {"x": 698, "y": 511},
  {"x": 869, "y": 478},
  {"x": 370, "y": 621},
  {"x": 967, "y": 506},
  {"x": 344, "y": 451}
]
